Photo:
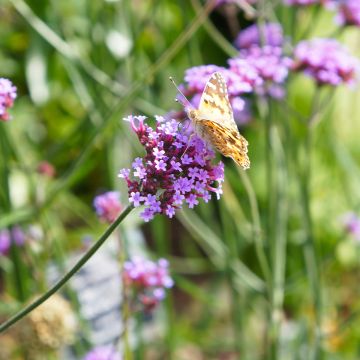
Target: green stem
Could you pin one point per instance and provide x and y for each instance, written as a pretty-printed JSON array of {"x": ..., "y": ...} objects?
[
  {"x": 68, "y": 275},
  {"x": 279, "y": 244},
  {"x": 310, "y": 256},
  {"x": 257, "y": 231}
]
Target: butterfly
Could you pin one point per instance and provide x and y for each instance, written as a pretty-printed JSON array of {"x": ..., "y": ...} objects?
[{"x": 214, "y": 121}]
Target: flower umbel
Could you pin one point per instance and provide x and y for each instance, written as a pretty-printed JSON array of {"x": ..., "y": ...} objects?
[
  {"x": 7, "y": 97},
  {"x": 108, "y": 206},
  {"x": 148, "y": 280},
  {"x": 176, "y": 168},
  {"x": 271, "y": 32},
  {"x": 349, "y": 12},
  {"x": 271, "y": 65},
  {"x": 327, "y": 61}
]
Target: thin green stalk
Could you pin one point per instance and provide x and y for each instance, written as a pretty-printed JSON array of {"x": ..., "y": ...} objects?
[
  {"x": 18, "y": 272},
  {"x": 231, "y": 240},
  {"x": 215, "y": 34},
  {"x": 125, "y": 306},
  {"x": 310, "y": 255},
  {"x": 257, "y": 231},
  {"x": 15, "y": 318},
  {"x": 279, "y": 244}
]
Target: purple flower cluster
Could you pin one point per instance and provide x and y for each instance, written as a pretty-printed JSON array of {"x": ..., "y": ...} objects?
[
  {"x": 14, "y": 236},
  {"x": 176, "y": 168},
  {"x": 108, "y": 206},
  {"x": 103, "y": 353},
  {"x": 271, "y": 33},
  {"x": 7, "y": 97},
  {"x": 148, "y": 280},
  {"x": 302, "y": 2},
  {"x": 349, "y": 12},
  {"x": 351, "y": 223},
  {"x": 271, "y": 65},
  {"x": 327, "y": 61}
]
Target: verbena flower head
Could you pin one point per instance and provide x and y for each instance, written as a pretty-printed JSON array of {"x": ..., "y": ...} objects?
[
  {"x": 272, "y": 33},
  {"x": 15, "y": 236},
  {"x": 271, "y": 65},
  {"x": 176, "y": 169},
  {"x": 108, "y": 206},
  {"x": 106, "y": 352},
  {"x": 148, "y": 280},
  {"x": 7, "y": 97},
  {"x": 351, "y": 223},
  {"x": 327, "y": 61},
  {"x": 302, "y": 2},
  {"x": 348, "y": 12}
]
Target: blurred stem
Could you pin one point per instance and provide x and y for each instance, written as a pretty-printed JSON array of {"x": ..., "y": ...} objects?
[
  {"x": 278, "y": 244},
  {"x": 214, "y": 33},
  {"x": 228, "y": 234},
  {"x": 312, "y": 21},
  {"x": 125, "y": 308},
  {"x": 310, "y": 256},
  {"x": 18, "y": 272},
  {"x": 257, "y": 231},
  {"x": 5, "y": 325}
]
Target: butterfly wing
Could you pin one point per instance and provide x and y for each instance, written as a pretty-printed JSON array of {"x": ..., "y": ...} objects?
[
  {"x": 214, "y": 103},
  {"x": 228, "y": 143}
]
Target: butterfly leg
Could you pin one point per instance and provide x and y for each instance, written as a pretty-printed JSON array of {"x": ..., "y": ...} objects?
[{"x": 191, "y": 136}]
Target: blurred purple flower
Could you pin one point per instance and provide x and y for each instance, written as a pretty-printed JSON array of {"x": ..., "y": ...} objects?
[
  {"x": 302, "y": 2},
  {"x": 352, "y": 225},
  {"x": 271, "y": 65},
  {"x": 103, "y": 353},
  {"x": 15, "y": 236},
  {"x": 327, "y": 61},
  {"x": 18, "y": 235},
  {"x": 272, "y": 32},
  {"x": 5, "y": 242},
  {"x": 348, "y": 12},
  {"x": 183, "y": 172},
  {"x": 108, "y": 206},
  {"x": 148, "y": 280},
  {"x": 7, "y": 97}
]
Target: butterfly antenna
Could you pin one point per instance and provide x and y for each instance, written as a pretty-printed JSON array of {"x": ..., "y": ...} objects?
[{"x": 187, "y": 102}]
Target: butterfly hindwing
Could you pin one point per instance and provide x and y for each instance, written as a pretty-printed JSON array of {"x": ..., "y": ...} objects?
[{"x": 228, "y": 143}]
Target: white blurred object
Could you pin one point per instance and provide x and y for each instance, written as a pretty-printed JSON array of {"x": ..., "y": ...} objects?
[
  {"x": 36, "y": 77},
  {"x": 119, "y": 44}
]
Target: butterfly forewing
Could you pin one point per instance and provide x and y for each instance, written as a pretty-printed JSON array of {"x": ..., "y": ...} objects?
[
  {"x": 215, "y": 101},
  {"x": 214, "y": 121}
]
